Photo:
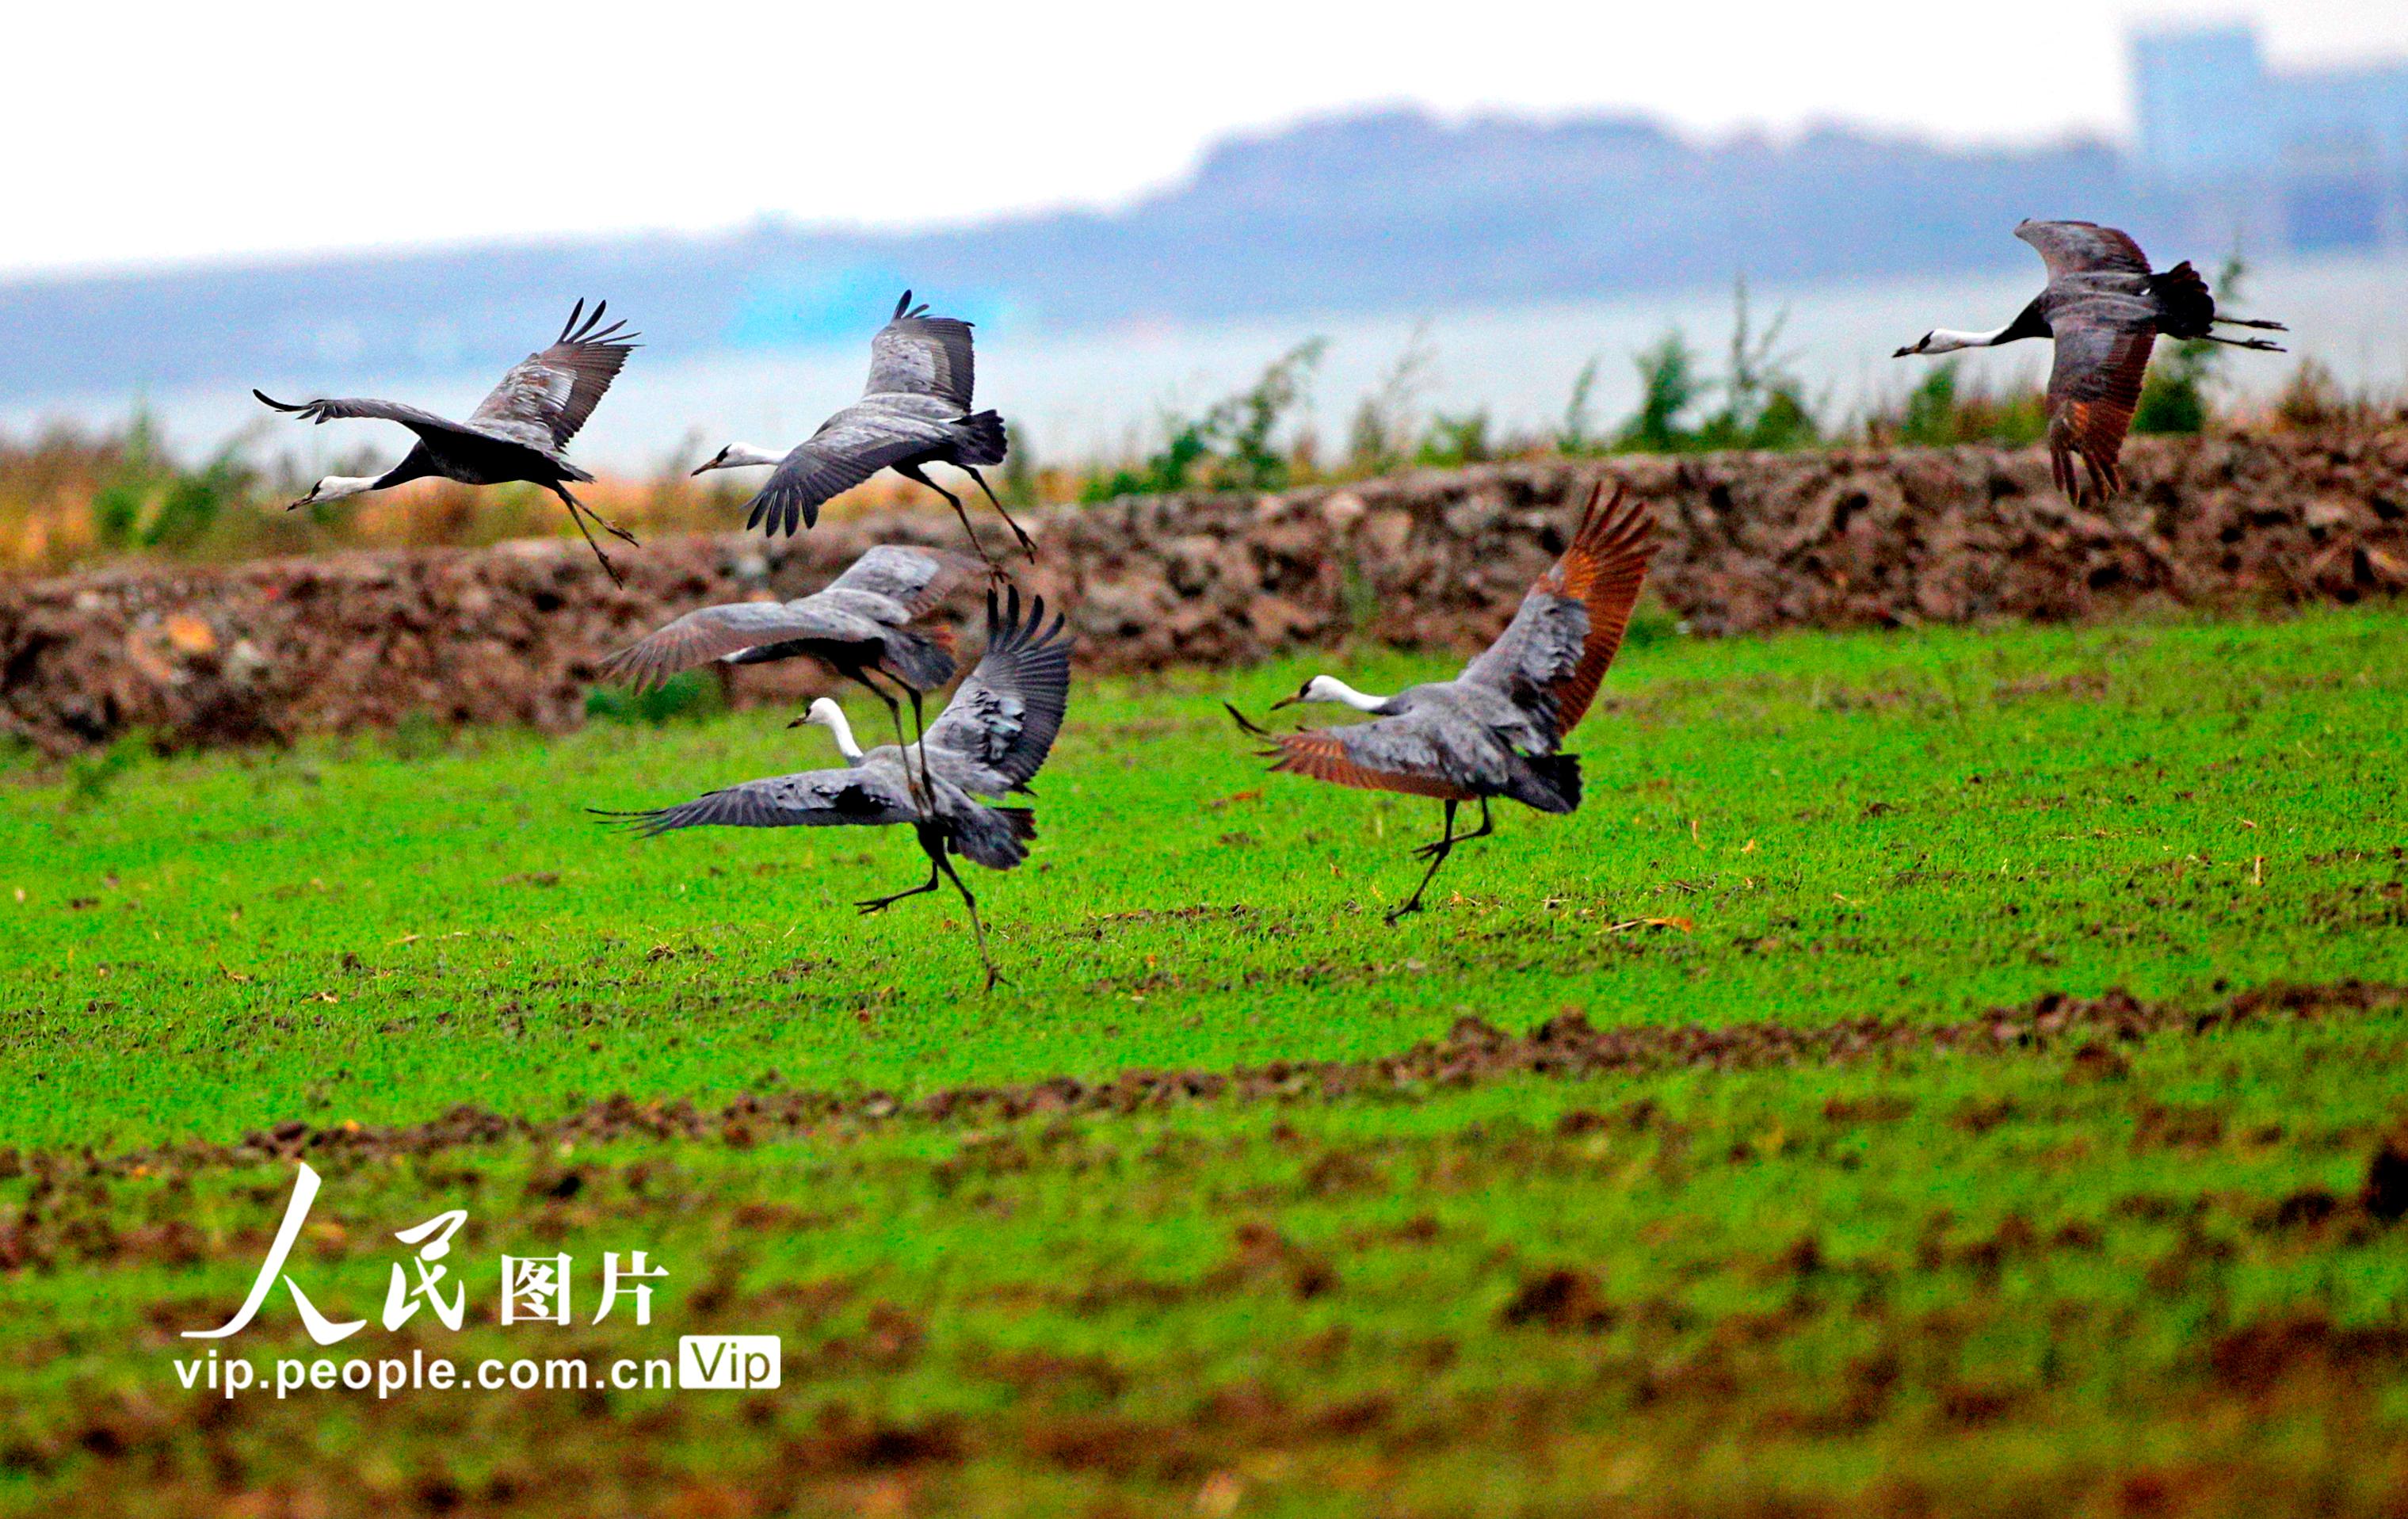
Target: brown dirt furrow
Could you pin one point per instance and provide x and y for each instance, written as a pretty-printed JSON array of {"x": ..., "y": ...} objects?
[{"x": 1473, "y": 1050}]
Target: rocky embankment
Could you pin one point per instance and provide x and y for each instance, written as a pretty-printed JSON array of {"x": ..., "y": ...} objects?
[{"x": 262, "y": 651}]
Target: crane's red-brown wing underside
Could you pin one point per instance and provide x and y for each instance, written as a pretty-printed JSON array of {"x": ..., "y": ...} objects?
[
  {"x": 2093, "y": 395},
  {"x": 1603, "y": 567},
  {"x": 1318, "y": 754}
]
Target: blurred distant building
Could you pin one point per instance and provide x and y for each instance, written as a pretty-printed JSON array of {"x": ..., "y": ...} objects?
[{"x": 2306, "y": 159}]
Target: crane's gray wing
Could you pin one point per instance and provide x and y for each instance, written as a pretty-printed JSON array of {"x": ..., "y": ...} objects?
[
  {"x": 327, "y": 409},
  {"x": 1551, "y": 657},
  {"x": 2094, "y": 387},
  {"x": 2070, "y": 248},
  {"x": 556, "y": 389},
  {"x": 848, "y": 448},
  {"x": 913, "y": 578},
  {"x": 1405, "y": 753},
  {"x": 917, "y": 354},
  {"x": 712, "y": 633},
  {"x": 812, "y": 799},
  {"x": 1004, "y": 718}
]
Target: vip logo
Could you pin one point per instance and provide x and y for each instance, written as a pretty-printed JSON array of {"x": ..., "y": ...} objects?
[{"x": 730, "y": 1361}]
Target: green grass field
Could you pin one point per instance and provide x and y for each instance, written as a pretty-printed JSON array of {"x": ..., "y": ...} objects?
[{"x": 2148, "y": 1270}]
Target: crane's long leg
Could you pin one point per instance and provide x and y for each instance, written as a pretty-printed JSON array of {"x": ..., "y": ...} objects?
[
  {"x": 577, "y": 515},
  {"x": 1444, "y": 846},
  {"x": 976, "y": 928},
  {"x": 611, "y": 527},
  {"x": 1027, "y": 545},
  {"x": 880, "y": 904},
  {"x": 2249, "y": 322},
  {"x": 913, "y": 472},
  {"x": 922, "y": 792},
  {"x": 1487, "y": 826},
  {"x": 920, "y": 728},
  {"x": 2261, "y": 345}
]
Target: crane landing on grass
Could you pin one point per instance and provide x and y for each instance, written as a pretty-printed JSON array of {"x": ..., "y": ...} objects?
[
  {"x": 915, "y": 412},
  {"x": 861, "y": 626},
  {"x": 1496, "y": 729},
  {"x": 517, "y": 433},
  {"x": 989, "y": 740},
  {"x": 2104, "y": 309}
]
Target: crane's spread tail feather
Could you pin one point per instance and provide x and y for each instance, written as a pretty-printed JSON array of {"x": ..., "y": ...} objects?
[
  {"x": 1553, "y": 786},
  {"x": 983, "y": 442},
  {"x": 2184, "y": 308},
  {"x": 994, "y": 837}
]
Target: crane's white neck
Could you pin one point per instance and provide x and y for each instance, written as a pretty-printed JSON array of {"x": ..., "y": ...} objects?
[
  {"x": 335, "y": 487},
  {"x": 1330, "y": 688},
  {"x": 827, "y": 714},
  {"x": 738, "y": 455},
  {"x": 1948, "y": 341}
]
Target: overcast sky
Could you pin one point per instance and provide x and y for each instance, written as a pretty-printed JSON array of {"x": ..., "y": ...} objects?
[{"x": 146, "y": 133}]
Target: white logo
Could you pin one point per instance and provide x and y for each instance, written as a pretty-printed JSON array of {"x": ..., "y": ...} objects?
[
  {"x": 534, "y": 1289},
  {"x": 736, "y": 1361}
]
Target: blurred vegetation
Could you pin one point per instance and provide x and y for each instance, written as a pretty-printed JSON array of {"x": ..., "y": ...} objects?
[
  {"x": 1229, "y": 446},
  {"x": 689, "y": 696},
  {"x": 71, "y": 499},
  {"x": 1763, "y": 406},
  {"x": 1942, "y": 412},
  {"x": 1381, "y": 436}
]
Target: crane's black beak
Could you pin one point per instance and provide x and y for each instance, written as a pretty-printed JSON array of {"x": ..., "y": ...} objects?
[
  {"x": 1285, "y": 701},
  {"x": 703, "y": 468}
]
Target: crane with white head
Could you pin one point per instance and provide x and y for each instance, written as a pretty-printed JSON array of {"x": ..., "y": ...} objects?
[
  {"x": 1496, "y": 729},
  {"x": 989, "y": 741},
  {"x": 915, "y": 412},
  {"x": 519, "y": 432},
  {"x": 2104, "y": 310}
]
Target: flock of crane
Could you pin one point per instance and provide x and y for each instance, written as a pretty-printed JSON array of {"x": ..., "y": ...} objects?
[{"x": 1496, "y": 730}]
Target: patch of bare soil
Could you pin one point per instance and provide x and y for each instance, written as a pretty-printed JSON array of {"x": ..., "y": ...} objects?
[{"x": 1473, "y": 1050}]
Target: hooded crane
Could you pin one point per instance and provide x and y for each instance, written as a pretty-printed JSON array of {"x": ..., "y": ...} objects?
[
  {"x": 516, "y": 433},
  {"x": 915, "y": 412},
  {"x": 990, "y": 740},
  {"x": 859, "y": 626},
  {"x": 1495, "y": 730},
  {"x": 2104, "y": 309}
]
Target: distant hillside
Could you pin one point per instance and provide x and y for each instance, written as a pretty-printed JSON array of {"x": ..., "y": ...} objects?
[{"x": 1388, "y": 210}]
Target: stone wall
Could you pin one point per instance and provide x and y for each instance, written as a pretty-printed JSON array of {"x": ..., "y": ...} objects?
[{"x": 264, "y": 651}]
